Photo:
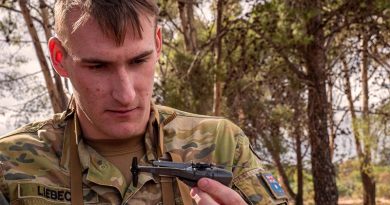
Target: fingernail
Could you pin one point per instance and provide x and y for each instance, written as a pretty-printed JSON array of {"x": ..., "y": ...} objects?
[
  {"x": 203, "y": 183},
  {"x": 194, "y": 191}
]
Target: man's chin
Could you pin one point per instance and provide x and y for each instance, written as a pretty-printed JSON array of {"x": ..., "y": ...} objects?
[
  {"x": 117, "y": 129},
  {"x": 124, "y": 133}
]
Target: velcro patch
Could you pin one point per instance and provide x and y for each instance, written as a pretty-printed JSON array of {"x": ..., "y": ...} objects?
[
  {"x": 53, "y": 194},
  {"x": 273, "y": 185}
]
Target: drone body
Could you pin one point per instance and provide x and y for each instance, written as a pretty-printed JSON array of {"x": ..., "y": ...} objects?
[{"x": 189, "y": 173}]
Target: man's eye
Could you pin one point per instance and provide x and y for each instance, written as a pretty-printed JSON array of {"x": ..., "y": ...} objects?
[
  {"x": 138, "y": 61},
  {"x": 95, "y": 66}
]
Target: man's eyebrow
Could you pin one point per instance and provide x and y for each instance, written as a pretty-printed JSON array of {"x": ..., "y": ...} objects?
[
  {"x": 93, "y": 61},
  {"x": 142, "y": 55},
  {"x": 102, "y": 61}
]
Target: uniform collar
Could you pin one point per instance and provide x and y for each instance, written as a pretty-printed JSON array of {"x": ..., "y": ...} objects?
[{"x": 151, "y": 134}]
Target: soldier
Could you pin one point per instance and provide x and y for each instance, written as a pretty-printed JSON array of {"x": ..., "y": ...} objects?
[{"x": 108, "y": 50}]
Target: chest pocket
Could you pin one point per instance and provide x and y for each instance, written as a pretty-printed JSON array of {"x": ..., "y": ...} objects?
[{"x": 38, "y": 194}]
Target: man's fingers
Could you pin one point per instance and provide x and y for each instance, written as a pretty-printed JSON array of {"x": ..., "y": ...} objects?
[
  {"x": 202, "y": 198},
  {"x": 219, "y": 192}
]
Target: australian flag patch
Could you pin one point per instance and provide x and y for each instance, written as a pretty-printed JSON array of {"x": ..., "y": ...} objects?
[{"x": 273, "y": 185}]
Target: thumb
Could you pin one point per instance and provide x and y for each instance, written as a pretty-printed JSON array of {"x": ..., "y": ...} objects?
[{"x": 220, "y": 192}]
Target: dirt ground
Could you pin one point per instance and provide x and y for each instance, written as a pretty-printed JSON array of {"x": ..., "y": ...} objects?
[
  {"x": 349, "y": 201},
  {"x": 346, "y": 201}
]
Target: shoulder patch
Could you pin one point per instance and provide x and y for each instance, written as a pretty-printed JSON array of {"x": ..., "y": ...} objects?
[{"x": 273, "y": 185}]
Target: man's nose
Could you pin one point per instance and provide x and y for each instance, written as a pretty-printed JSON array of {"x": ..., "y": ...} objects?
[{"x": 123, "y": 89}]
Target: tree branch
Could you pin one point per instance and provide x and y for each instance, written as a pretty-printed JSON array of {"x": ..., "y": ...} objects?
[
  {"x": 11, "y": 78},
  {"x": 20, "y": 12}
]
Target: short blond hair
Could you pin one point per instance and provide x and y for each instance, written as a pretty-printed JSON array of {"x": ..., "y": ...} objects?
[{"x": 113, "y": 16}]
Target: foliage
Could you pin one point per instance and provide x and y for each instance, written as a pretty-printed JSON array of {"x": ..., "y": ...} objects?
[
  {"x": 350, "y": 183},
  {"x": 264, "y": 62},
  {"x": 15, "y": 76}
]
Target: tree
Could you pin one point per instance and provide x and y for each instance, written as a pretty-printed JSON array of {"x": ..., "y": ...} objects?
[
  {"x": 273, "y": 67},
  {"x": 300, "y": 37},
  {"x": 32, "y": 103},
  {"x": 57, "y": 96},
  {"x": 218, "y": 50},
  {"x": 236, "y": 64},
  {"x": 366, "y": 32},
  {"x": 41, "y": 17}
]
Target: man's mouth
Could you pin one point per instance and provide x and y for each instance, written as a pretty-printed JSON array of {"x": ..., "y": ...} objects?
[{"x": 122, "y": 111}]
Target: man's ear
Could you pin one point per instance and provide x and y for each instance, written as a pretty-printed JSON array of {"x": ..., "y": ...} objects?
[
  {"x": 57, "y": 53},
  {"x": 158, "y": 40}
]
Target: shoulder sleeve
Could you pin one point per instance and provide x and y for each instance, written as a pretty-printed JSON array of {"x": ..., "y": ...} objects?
[
  {"x": 3, "y": 199},
  {"x": 250, "y": 179}
]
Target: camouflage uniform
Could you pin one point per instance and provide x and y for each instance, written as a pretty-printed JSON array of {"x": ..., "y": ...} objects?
[{"x": 34, "y": 161}]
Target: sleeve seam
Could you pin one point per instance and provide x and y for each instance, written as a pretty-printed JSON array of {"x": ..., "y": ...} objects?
[
  {"x": 246, "y": 175},
  {"x": 243, "y": 194},
  {"x": 3, "y": 186}
]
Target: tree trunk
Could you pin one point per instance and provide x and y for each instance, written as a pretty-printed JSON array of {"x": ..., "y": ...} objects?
[
  {"x": 191, "y": 26},
  {"x": 57, "y": 79},
  {"x": 322, "y": 167},
  {"x": 299, "y": 195},
  {"x": 332, "y": 134},
  {"x": 324, "y": 175},
  {"x": 218, "y": 44},
  {"x": 364, "y": 160},
  {"x": 348, "y": 93},
  {"x": 186, "y": 14},
  {"x": 45, "y": 19},
  {"x": 274, "y": 149},
  {"x": 53, "y": 94},
  {"x": 217, "y": 96},
  {"x": 297, "y": 133},
  {"x": 368, "y": 183},
  {"x": 366, "y": 166}
]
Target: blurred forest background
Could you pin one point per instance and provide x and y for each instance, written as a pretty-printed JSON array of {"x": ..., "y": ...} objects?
[{"x": 307, "y": 80}]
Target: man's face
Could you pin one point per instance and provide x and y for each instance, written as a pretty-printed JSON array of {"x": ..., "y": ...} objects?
[{"x": 112, "y": 84}]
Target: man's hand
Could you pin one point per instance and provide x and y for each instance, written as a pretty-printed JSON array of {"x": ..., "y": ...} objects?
[{"x": 212, "y": 192}]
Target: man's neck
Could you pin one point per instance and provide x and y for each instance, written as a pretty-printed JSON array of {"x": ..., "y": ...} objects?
[{"x": 109, "y": 147}]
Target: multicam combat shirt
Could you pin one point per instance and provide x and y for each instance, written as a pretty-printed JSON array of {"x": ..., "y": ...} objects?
[{"x": 34, "y": 162}]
